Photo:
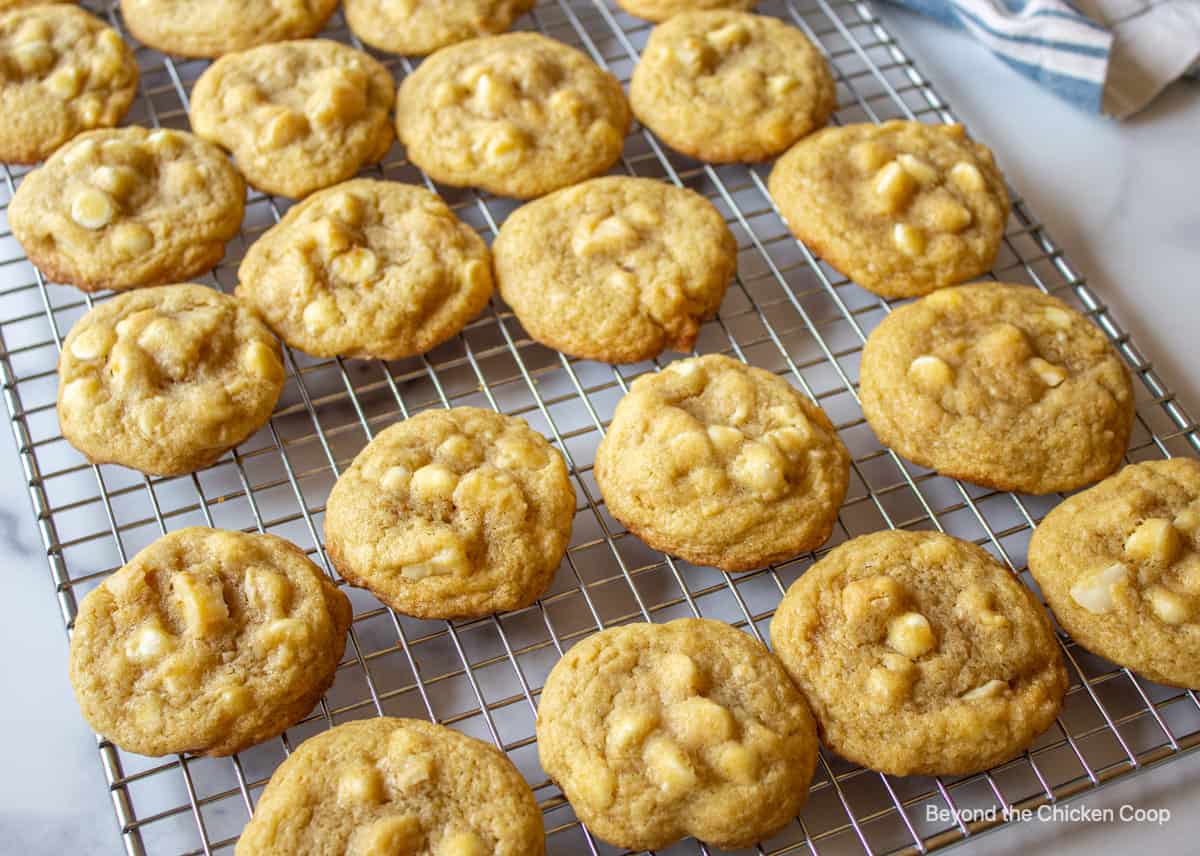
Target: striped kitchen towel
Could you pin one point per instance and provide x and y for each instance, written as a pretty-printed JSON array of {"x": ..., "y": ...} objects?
[{"x": 1110, "y": 56}]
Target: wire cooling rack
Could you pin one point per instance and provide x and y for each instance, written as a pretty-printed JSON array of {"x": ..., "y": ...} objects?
[{"x": 786, "y": 312}]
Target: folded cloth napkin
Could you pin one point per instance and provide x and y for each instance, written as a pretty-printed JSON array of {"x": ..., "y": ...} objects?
[{"x": 1110, "y": 56}]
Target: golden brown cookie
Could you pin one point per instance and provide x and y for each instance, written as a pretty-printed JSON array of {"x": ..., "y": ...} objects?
[
  {"x": 166, "y": 380},
  {"x": 297, "y": 116},
  {"x": 920, "y": 654},
  {"x": 726, "y": 86},
  {"x": 420, "y": 27},
  {"x": 366, "y": 268},
  {"x": 518, "y": 115},
  {"x": 657, "y": 731},
  {"x": 394, "y": 787},
  {"x": 207, "y": 641},
  {"x": 129, "y": 207},
  {"x": 901, "y": 208},
  {"x": 722, "y": 464},
  {"x": 1119, "y": 564},
  {"x": 615, "y": 268},
  {"x": 210, "y": 28},
  {"x": 452, "y": 513},
  {"x": 1000, "y": 385},
  {"x": 660, "y": 10},
  {"x": 62, "y": 71}
]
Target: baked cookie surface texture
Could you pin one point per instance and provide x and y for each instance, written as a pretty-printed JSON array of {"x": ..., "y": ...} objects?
[
  {"x": 1119, "y": 564},
  {"x": 420, "y": 27},
  {"x": 129, "y": 207},
  {"x": 901, "y": 208},
  {"x": 297, "y": 116},
  {"x": 395, "y": 786},
  {"x": 722, "y": 464},
  {"x": 920, "y": 654},
  {"x": 660, "y": 10},
  {"x": 210, "y": 28},
  {"x": 517, "y": 114},
  {"x": 207, "y": 641},
  {"x": 658, "y": 731},
  {"x": 62, "y": 72},
  {"x": 367, "y": 268},
  {"x": 615, "y": 268},
  {"x": 166, "y": 380},
  {"x": 1000, "y": 385},
  {"x": 724, "y": 86},
  {"x": 452, "y": 513}
]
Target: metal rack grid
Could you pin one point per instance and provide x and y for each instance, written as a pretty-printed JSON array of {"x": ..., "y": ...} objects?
[{"x": 787, "y": 312}]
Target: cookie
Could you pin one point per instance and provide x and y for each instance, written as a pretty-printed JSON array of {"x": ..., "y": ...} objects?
[
  {"x": 1119, "y": 564},
  {"x": 210, "y": 28},
  {"x": 371, "y": 269},
  {"x": 395, "y": 786},
  {"x": 297, "y": 116},
  {"x": 129, "y": 207},
  {"x": 207, "y": 641},
  {"x": 722, "y": 464},
  {"x": 166, "y": 380},
  {"x": 660, "y": 10},
  {"x": 657, "y": 731},
  {"x": 901, "y": 208},
  {"x": 62, "y": 71},
  {"x": 920, "y": 654},
  {"x": 999, "y": 385},
  {"x": 726, "y": 86},
  {"x": 452, "y": 513},
  {"x": 616, "y": 268},
  {"x": 518, "y": 115},
  {"x": 420, "y": 27}
]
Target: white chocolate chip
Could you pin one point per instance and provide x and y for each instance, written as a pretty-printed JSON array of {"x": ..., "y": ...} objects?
[
  {"x": 992, "y": 689},
  {"x": 911, "y": 635},
  {"x": 504, "y": 146},
  {"x": 888, "y": 688},
  {"x": 360, "y": 786},
  {"x": 34, "y": 57},
  {"x": 1155, "y": 540},
  {"x": 448, "y": 559},
  {"x": 931, "y": 373},
  {"x": 1169, "y": 607},
  {"x": 284, "y": 128},
  {"x": 267, "y": 591},
  {"x": 1095, "y": 593},
  {"x": 92, "y": 343},
  {"x": 698, "y": 721},
  {"x": 321, "y": 314},
  {"x": 395, "y": 479},
  {"x": 668, "y": 767},
  {"x": 92, "y": 209},
  {"x": 77, "y": 153},
  {"x": 357, "y": 265},
  {"x": 732, "y": 35},
  {"x": 462, "y": 844},
  {"x": 491, "y": 95},
  {"x": 117, "y": 180},
  {"x": 908, "y": 239},
  {"x": 433, "y": 483},
  {"x": 946, "y": 215},
  {"x": 894, "y": 187},
  {"x": 201, "y": 601},
  {"x": 612, "y": 234},
  {"x": 1050, "y": 374},
  {"x": 81, "y": 392},
  {"x": 66, "y": 81},
  {"x": 1058, "y": 318},
  {"x": 164, "y": 141},
  {"x": 917, "y": 168},
  {"x": 680, "y": 676},
  {"x": 351, "y": 209},
  {"x": 737, "y": 763},
  {"x": 394, "y": 835},
  {"x": 779, "y": 85},
  {"x": 967, "y": 176},
  {"x": 869, "y": 156},
  {"x": 132, "y": 239},
  {"x": 875, "y": 595},
  {"x": 627, "y": 730},
  {"x": 598, "y": 788},
  {"x": 724, "y": 439},
  {"x": 758, "y": 467},
  {"x": 150, "y": 643}
]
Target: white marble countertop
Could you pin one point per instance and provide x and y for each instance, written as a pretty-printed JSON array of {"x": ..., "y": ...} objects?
[{"x": 1121, "y": 199}]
